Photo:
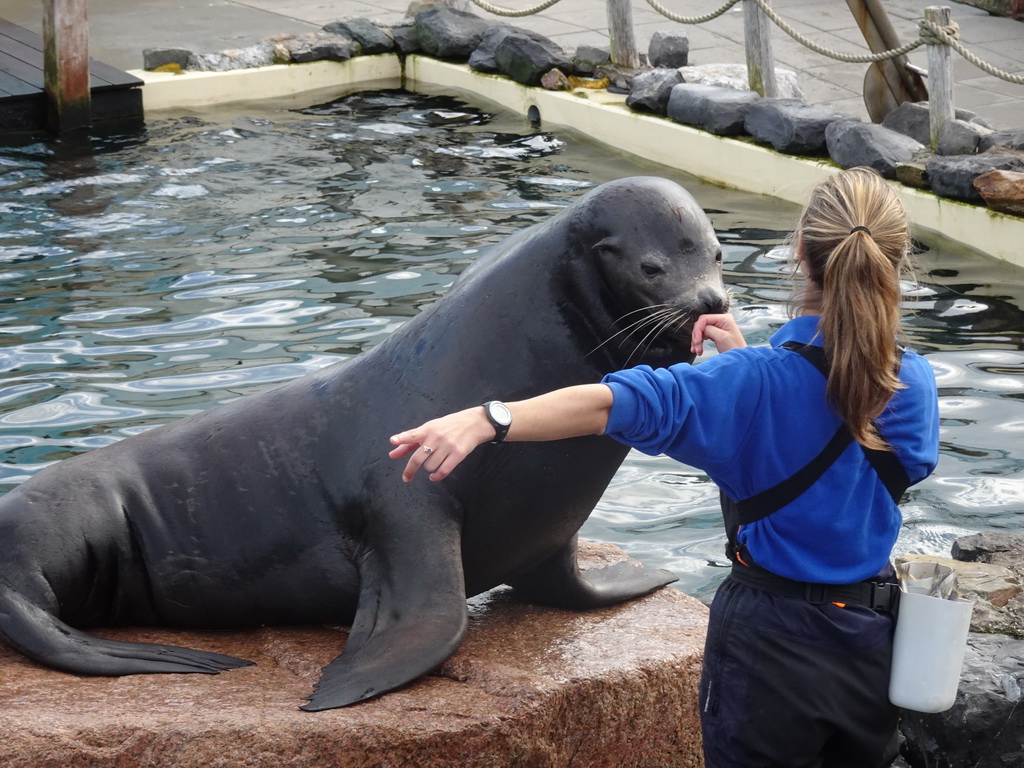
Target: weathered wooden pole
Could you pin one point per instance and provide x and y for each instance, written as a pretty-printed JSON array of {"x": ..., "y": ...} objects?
[
  {"x": 66, "y": 64},
  {"x": 620, "y": 34},
  {"x": 940, "y": 76},
  {"x": 757, "y": 30}
]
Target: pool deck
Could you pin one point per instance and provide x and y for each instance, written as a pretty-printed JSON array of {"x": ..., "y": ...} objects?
[{"x": 121, "y": 29}]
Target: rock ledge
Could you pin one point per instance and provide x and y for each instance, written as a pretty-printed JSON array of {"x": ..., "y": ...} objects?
[{"x": 530, "y": 686}]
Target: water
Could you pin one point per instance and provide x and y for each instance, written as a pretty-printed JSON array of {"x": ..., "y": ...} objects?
[{"x": 228, "y": 251}]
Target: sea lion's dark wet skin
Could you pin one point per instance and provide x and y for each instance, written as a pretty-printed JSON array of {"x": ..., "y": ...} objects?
[{"x": 283, "y": 507}]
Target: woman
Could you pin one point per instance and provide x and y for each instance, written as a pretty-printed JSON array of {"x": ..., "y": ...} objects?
[{"x": 812, "y": 441}]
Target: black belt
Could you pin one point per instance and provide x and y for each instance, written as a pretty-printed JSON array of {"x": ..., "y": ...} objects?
[{"x": 876, "y": 595}]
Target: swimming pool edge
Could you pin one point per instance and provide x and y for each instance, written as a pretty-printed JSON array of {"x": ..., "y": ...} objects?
[{"x": 737, "y": 163}]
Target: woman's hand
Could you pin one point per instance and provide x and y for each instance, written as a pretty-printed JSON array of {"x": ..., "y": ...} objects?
[
  {"x": 720, "y": 329},
  {"x": 441, "y": 444}
]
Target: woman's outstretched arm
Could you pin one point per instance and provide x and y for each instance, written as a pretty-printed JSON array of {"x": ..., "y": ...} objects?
[{"x": 569, "y": 412}]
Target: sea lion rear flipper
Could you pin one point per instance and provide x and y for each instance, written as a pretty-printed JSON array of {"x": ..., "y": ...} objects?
[
  {"x": 411, "y": 617},
  {"x": 45, "y": 638},
  {"x": 559, "y": 581}
]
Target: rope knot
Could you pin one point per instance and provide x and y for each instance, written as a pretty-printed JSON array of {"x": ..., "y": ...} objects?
[{"x": 934, "y": 34}]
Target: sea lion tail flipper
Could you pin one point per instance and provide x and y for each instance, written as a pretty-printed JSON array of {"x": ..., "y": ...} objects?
[
  {"x": 408, "y": 623},
  {"x": 43, "y": 637},
  {"x": 558, "y": 581}
]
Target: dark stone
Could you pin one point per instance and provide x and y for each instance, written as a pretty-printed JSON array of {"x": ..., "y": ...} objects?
[
  {"x": 449, "y": 34},
  {"x": 406, "y": 38},
  {"x": 371, "y": 38},
  {"x": 953, "y": 176},
  {"x": 852, "y": 143},
  {"x": 588, "y": 58},
  {"x": 716, "y": 109},
  {"x": 650, "y": 90},
  {"x": 483, "y": 57},
  {"x": 526, "y": 59},
  {"x": 958, "y": 137},
  {"x": 321, "y": 48},
  {"x": 911, "y": 119},
  {"x": 985, "y": 726},
  {"x": 790, "y": 125},
  {"x": 668, "y": 49},
  {"x": 996, "y": 547},
  {"x": 1014, "y": 139},
  {"x": 153, "y": 58},
  {"x": 914, "y": 119}
]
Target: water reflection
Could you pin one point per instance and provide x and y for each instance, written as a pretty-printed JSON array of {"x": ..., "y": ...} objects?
[{"x": 223, "y": 252}]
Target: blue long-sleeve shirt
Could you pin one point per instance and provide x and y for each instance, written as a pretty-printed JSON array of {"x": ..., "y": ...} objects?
[{"x": 752, "y": 417}]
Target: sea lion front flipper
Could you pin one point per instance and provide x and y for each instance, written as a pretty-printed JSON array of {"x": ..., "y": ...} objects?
[
  {"x": 43, "y": 637},
  {"x": 558, "y": 581},
  {"x": 411, "y": 617}
]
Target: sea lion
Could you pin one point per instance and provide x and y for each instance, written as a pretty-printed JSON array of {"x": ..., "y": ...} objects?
[{"x": 283, "y": 507}]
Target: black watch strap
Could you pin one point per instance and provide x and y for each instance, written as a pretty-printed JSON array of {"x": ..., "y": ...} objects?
[{"x": 500, "y": 417}]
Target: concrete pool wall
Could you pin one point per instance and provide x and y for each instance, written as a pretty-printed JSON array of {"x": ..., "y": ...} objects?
[{"x": 602, "y": 116}]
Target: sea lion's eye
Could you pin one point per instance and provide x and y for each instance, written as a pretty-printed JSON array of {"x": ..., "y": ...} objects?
[
  {"x": 651, "y": 270},
  {"x": 718, "y": 256}
]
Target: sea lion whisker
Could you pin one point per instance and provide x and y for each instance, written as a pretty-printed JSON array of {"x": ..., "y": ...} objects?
[
  {"x": 650, "y": 337},
  {"x": 634, "y": 326},
  {"x": 673, "y": 320},
  {"x": 642, "y": 309}
]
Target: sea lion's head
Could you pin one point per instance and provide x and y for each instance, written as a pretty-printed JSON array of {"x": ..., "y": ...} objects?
[{"x": 659, "y": 263}]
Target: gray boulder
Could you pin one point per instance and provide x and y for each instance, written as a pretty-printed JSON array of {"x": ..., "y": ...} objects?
[
  {"x": 852, "y": 143},
  {"x": 735, "y": 76},
  {"x": 790, "y": 125},
  {"x": 588, "y": 58},
  {"x": 668, "y": 49},
  {"x": 320, "y": 47},
  {"x": 262, "y": 54},
  {"x": 449, "y": 34},
  {"x": 953, "y": 176},
  {"x": 912, "y": 118},
  {"x": 1013, "y": 139},
  {"x": 407, "y": 39},
  {"x": 958, "y": 137},
  {"x": 649, "y": 91},
  {"x": 483, "y": 57},
  {"x": 526, "y": 58},
  {"x": 716, "y": 109},
  {"x": 985, "y": 726},
  {"x": 154, "y": 58},
  {"x": 371, "y": 38}
]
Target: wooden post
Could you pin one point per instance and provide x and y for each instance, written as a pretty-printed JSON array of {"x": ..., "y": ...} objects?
[
  {"x": 620, "y": 34},
  {"x": 940, "y": 76},
  {"x": 757, "y": 30},
  {"x": 66, "y": 64}
]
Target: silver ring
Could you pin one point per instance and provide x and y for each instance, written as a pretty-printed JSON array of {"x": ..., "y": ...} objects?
[{"x": 427, "y": 450}]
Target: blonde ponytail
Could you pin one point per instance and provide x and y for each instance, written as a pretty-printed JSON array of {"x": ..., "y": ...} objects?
[{"x": 854, "y": 239}]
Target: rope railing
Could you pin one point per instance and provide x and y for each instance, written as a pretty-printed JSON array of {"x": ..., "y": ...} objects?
[
  {"x": 930, "y": 33},
  {"x": 499, "y": 11},
  {"x": 691, "y": 19}
]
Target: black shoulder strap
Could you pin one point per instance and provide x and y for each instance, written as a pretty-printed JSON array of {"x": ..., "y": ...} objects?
[{"x": 885, "y": 463}]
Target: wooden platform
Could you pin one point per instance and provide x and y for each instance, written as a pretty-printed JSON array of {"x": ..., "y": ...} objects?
[{"x": 116, "y": 96}]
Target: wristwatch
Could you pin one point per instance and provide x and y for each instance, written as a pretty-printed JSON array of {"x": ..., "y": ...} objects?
[{"x": 500, "y": 417}]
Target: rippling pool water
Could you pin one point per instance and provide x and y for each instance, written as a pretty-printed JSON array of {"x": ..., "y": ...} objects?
[{"x": 227, "y": 251}]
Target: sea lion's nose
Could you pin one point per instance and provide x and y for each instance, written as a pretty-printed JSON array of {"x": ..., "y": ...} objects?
[{"x": 711, "y": 302}]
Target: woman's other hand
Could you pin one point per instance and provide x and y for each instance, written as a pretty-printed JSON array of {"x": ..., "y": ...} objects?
[{"x": 720, "y": 329}]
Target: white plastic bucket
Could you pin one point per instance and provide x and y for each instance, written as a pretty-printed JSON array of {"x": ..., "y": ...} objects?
[{"x": 928, "y": 651}]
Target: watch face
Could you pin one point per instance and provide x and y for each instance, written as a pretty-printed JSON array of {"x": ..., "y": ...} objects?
[{"x": 500, "y": 413}]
